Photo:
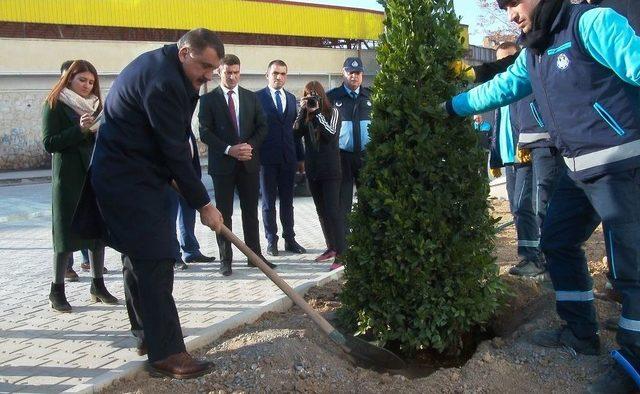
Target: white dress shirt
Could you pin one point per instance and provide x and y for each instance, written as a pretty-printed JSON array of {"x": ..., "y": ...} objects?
[{"x": 283, "y": 98}]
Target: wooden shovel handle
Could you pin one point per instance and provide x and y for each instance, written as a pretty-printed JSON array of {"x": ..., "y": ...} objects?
[{"x": 271, "y": 274}]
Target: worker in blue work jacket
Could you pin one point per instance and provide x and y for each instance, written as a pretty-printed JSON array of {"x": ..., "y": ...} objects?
[
  {"x": 483, "y": 130},
  {"x": 519, "y": 179},
  {"x": 537, "y": 155},
  {"x": 583, "y": 66}
]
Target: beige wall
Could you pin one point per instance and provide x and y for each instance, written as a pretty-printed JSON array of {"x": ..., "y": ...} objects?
[{"x": 30, "y": 67}]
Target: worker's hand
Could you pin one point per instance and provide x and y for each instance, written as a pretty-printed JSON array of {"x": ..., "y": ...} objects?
[
  {"x": 495, "y": 172},
  {"x": 211, "y": 217},
  {"x": 444, "y": 110},
  {"x": 242, "y": 152},
  {"x": 463, "y": 70},
  {"x": 523, "y": 155},
  {"x": 300, "y": 167}
]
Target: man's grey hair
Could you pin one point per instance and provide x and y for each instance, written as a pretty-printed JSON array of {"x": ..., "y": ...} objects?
[{"x": 199, "y": 39}]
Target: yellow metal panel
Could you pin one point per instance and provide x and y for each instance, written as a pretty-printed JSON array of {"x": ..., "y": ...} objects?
[
  {"x": 258, "y": 17},
  {"x": 464, "y": 33}
]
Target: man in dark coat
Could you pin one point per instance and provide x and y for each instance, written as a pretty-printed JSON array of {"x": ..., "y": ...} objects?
[{"x": 143, "y": 148}]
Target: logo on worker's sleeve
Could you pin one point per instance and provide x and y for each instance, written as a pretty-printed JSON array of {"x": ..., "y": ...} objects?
[{"x": 563, "y": 61}]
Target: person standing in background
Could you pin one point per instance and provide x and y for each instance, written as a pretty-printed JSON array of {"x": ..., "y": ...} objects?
[
  {"x": 319, "y": 124},
  {"x": 279, "y": 155},
  {"x": 68, "y": 133},
  {"x": 232, "y": 124},
  {"x": 353, "y": 101}
]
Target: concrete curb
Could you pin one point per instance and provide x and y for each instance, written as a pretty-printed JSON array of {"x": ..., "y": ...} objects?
[
  {"x": 24, "y": 216},
  {"x": 25, "y": 181},
  {"x": 204, "y": 337}
]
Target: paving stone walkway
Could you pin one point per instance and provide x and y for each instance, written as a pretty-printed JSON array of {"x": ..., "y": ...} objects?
[{"x": 43, "y": 351}]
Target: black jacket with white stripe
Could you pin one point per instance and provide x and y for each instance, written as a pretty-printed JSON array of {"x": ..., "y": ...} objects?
[{"x": 322, "y": 154}]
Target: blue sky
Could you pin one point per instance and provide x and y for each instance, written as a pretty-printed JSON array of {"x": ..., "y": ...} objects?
[{"x": 467, "y": 9}]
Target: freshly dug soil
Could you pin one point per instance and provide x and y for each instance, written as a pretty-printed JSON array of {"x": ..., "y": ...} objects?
[{"x": 286, "y": 352}]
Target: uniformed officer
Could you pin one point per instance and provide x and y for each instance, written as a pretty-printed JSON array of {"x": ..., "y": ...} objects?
[{"x": 353, "y": 101}]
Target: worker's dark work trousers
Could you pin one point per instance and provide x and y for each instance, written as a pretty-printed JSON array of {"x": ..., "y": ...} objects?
[
  {"x": 547, "y": 165},
  {"x": 575, "y": 210},
  {"x": 519, "y": 191},
  {"x": 325, "y": 193},
  {"x": 148, "y": 285}
]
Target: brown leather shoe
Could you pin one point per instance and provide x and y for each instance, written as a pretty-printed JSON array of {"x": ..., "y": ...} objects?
[{"x": 182, "y": 366}]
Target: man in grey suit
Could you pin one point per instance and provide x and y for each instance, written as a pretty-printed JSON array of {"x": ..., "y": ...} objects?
[{"x": 233, "y": 125}]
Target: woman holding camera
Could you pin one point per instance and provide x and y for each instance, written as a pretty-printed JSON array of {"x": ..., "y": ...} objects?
[
  {"x": 319, "y": 124},
  {"x": 69, "y": 134}
]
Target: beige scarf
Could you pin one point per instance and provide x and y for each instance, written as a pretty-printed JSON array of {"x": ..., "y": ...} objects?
[{"x": 78, "y": 103}]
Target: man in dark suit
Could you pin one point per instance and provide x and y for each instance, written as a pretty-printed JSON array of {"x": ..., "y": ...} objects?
[
  {"x": 278, "y": 157},
  {"x": 142, "y": 149},
  {"x": 232, "y": 124}
]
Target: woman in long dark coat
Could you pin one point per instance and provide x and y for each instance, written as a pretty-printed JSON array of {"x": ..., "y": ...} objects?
[{"x": 69, "y": 127}]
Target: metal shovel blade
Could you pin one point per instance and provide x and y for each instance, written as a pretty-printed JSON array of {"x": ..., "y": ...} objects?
[{"x": 370, "y": 355}]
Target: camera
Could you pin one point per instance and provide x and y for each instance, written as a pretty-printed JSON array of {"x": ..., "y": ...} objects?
[{"x": 313, "y": 100}]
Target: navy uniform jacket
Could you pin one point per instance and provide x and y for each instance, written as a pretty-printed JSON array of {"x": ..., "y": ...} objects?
[
  {"x": 355, "y": 115},
  {"x": 279, "y": 146},
  {"x": 143, "y": 145}
]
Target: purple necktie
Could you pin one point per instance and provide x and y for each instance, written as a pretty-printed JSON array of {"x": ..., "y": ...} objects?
[{"x": 232, "y": 111}]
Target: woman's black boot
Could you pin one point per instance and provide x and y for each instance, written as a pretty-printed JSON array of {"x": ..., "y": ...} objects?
[
  {"x": 57, "y": 298},
  {"x": 99, "y": 292}
]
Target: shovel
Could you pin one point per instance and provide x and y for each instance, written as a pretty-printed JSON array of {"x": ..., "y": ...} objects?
[{"x": 370, "y": 355}]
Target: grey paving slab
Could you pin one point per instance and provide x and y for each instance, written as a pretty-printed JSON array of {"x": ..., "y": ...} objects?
[{"x": 45, "y": 351}]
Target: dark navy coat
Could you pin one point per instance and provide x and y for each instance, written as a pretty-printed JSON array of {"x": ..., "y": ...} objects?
[{"x": 142, "y": 146}]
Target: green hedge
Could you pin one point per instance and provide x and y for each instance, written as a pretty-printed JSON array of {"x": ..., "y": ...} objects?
[{"x": 420, "y": 272}]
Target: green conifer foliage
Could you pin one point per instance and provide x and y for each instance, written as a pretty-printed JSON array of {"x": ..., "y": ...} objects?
[{"x": 419, "y": 270}]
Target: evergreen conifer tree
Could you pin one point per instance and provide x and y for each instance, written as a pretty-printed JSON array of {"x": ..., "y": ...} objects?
[{"x": 419, "y": 271}]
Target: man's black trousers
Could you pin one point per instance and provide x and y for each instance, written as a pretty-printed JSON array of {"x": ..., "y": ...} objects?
[{"x": 148, "y": 285}]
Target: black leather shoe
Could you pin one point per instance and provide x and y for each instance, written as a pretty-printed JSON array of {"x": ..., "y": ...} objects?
[
  {"x": 294, "y": 247},
  {"x": 180, "y": 265},
  {"x": 272, "y": 249},
  {"x": 200, "y": 259},
  {"x": 267, "y": 262},
  {"x": 225, "y": 268}
]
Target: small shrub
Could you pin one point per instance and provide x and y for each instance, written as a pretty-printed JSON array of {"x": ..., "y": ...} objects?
[{"x": 420, "y": 272}]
